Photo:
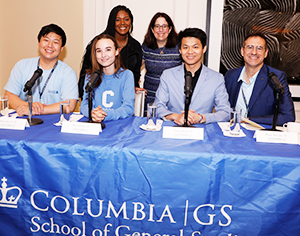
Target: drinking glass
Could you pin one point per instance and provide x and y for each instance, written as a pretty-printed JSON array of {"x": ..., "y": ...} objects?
[
  {"x": 4, "y": 105},
  {"x": 235, "y": 121},
  {"x": 151, "y": 116},
  {"x": 151, "y": 112},
  {"x": 65, "y": 110}
]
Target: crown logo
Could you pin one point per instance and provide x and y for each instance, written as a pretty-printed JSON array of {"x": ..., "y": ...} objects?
[{"x": 10, "y": 196}]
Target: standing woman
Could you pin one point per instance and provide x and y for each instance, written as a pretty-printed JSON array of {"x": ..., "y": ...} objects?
[
  {"x": 160, "y": 51},
  {"x": 119, "y": 26},
  {"x": 113, "y": 96}
]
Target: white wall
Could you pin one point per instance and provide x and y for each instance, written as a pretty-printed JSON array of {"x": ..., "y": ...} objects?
[{"x": 184, "y": 13}]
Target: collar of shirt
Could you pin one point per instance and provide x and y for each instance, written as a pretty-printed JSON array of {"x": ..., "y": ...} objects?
[{"x": 247, "y": 89}]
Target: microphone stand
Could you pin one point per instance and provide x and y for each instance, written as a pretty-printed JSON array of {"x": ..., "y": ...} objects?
[
  {"x": 186, "y": 110},
  {"x": 90, "y": 105},
  {"x": 32, "y": 121},
  {"x": 276, "y": 110}
]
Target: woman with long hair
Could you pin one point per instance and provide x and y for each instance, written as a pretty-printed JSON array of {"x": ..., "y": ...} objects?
[
  {"x": 113, "y": 96},
  {"x": 119, "y": 26},
  {"x": 160, "y": 51}
]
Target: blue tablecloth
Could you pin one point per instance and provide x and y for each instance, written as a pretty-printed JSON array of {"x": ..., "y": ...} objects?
[{"x": 127, "y": 181}]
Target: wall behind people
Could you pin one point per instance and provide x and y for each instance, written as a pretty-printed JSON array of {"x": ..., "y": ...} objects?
[
  {"x": 20, "y": 23},
  {"x": 187, "y": 13}
]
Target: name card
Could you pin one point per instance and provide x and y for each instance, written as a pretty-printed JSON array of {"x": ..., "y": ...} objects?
[
  {"x": 276, "y": 137},
  {"x": 183, "y": 132},
  {"x": 12, "y": 123},
  {"x": 81, "y": 128}
]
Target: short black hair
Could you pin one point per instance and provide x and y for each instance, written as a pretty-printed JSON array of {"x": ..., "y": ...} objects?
[
  {"x": 52, "y": 28},
  {"x": 192, "y": 32},
  {"x": 255, "y": 34}
]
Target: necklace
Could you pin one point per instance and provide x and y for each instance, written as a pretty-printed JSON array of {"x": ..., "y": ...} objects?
[
  {"x": 124, "y": 44},
  {"x": 162, "y": 50}
]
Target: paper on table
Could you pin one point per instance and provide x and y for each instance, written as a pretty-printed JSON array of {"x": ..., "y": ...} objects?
[
  {"x": 151, "y": 127},
  {"x": 226, "y": 131},
  {"x": 73, "y": 118},
  {"x": 6, "y": 111},
  {"x": 252, "y": 123}
]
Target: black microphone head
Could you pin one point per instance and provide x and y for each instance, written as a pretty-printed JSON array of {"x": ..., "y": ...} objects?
[
  {"x": 34, "y": 77},
  {"x": 90, "y": 85},
  {"x": 97, "y": 72},
  {"x": 276, "y": 83},
  {"x": 188, "y": 83},
  {"x": 188, "y": 73},
  {"x": 39, "y": 72}
]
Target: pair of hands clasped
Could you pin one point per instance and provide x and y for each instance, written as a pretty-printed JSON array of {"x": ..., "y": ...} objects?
[
  {"x": 193, "y": 117},
  {"x": 98, "y": 115},
  {"x": 37, "y": 109}
]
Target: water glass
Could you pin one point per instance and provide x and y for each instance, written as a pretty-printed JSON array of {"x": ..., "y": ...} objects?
[
  {"x": 65, "y": 110},
  {"x": 4, "y": 105},
  {"x": 235, "y": 122},
  {"x": 151, "y": 112}
]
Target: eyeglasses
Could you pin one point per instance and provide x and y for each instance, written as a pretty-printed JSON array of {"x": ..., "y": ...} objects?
[
  {"x": 250, "y": 48},
  {"x": 158, "y": 27}
]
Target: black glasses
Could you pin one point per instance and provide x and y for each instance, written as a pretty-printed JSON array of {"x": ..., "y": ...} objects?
[{"x": 158, "y": 27}]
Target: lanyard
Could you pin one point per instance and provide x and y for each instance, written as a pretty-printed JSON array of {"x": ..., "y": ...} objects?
[
  {"x": 245, "y": 101},
  {"x": 41, "y": 92}
]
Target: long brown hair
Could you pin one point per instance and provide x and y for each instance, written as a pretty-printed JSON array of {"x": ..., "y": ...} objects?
[
  {"x": 150, "y": 40},
  {"x": 95, "y": 64}
]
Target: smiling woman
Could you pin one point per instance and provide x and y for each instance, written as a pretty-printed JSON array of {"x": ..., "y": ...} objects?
[
  {"x": 113, "y": 96},
  {"x": 160, "y": 51},
  {"x": 119, "y": 26}
]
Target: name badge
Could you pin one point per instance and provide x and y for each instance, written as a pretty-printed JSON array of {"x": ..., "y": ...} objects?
[
  {"x": 81, "y": 128},
  {"x": 276, "y": 137},
  {"x": 183, "y": 133},
  {"x": 12, "y": 123}
]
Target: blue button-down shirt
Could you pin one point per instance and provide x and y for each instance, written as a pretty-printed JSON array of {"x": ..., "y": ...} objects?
[{"x": 242, "y": 102}]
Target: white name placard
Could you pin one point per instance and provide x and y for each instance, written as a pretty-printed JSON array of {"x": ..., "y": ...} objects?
[
  {"x": 183, "y": 132},
  {"x": 12, "y": 123},
  {"x": 81, "y": 128},
  {"x": 276, "y": 137}
]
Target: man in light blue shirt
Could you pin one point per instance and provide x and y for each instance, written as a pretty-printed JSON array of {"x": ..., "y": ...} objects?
[
  {"x": 242, "y": 102},
  {"x": 57, "y": 82}
]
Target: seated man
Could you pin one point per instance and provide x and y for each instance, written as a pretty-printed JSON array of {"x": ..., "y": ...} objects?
[
  {"x": 57, "y": 82},
  {"x": 208, "y": 86},
  {"x": 250, "y": 90}
]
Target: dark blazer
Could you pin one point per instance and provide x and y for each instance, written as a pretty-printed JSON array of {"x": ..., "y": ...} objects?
[
  {"x": 262, "y": 101},
  {"x": 131, "y": 56}
]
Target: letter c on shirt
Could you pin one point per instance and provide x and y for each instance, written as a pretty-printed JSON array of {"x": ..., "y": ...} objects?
[{"x": 104, "y": 98}]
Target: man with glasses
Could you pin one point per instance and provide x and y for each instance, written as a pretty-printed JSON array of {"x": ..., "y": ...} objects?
[{"x": 249, "y": 88}]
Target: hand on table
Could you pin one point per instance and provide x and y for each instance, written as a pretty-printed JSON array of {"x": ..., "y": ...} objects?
[
  {"x": 98, "y": 115},
  {"x": 37, "y": 109}
]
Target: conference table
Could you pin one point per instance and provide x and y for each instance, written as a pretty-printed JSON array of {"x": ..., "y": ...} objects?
[{"x": 130, "y": 182}]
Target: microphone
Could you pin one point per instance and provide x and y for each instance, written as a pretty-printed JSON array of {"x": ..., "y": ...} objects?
[
  {"x": 188, "y": 83},
  {"x": 276, "y": 83},
  {"x": 91, "y": 84},
  {"x": 31, "y": 82}
]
